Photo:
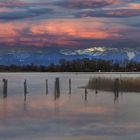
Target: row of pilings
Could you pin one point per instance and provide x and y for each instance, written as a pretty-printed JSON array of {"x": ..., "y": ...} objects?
[{"x": 56, "y": 88}]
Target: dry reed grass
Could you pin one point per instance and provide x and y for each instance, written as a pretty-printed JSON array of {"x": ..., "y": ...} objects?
[{"x": 126, "y": 84}]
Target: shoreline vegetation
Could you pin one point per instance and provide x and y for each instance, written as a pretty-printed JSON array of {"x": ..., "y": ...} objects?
[
  {"x": 78, "y": 65},
  {"x": 122, "y": 84}
]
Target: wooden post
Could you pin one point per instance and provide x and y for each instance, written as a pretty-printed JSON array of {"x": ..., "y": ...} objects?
[
  {"x": 121, "y": 84},
  {"x": 86, "y": 93},
  {"x": 5, "y": 85},
  {"x": 46, "y": 87},
  {"x": 96, "y": 86},
  {"x": 116, "y": 88},
  {"x": 69, "y": 86},
  {"x": 25, "y": 90},
  {"x": 57, "y": 88}
]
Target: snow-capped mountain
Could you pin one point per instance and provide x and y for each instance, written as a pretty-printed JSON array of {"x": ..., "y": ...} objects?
[
  {"x": 45, "y": 58},
  {"x": 106, "y": 53}
]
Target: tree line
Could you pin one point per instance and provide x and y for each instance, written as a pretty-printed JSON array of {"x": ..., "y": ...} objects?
[{"x": 78, "y": 65}]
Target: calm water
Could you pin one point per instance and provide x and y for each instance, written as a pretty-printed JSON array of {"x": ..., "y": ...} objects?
[{"x": 69, "y": 117}]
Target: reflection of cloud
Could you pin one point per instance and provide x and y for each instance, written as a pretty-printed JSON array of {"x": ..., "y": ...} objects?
[{"x": 96, "y": 110}]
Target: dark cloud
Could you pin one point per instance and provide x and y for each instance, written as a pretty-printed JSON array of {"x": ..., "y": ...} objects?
[
  {"x": 13, "y": 3},
  {"x": 81, "y": 4},
  {"x": 110, "y": 13},
  {"x": 24, "y": 13}
]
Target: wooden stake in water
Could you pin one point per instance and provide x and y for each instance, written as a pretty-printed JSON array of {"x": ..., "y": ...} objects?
[
  {"x": 25, "y": 90},
  {"x": 86, "y": 93},
  {"x": 57, "y": 88},
  {"x": 121, "y": 83},
  {"x": 116, "y": 88},
  {"x": 5, "y": 85},
  {"x": 46, "y": 87},
  {"x": 69, "y": 86},
  {"x": 96, "y": 86}
]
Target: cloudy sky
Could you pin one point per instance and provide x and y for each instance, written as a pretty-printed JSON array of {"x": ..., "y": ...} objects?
[{"x": 68, "y": 24}]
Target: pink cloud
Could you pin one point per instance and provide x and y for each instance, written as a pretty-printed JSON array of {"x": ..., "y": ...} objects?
[
  {"x": 13, "y": 3},
  {"x": 61, "y": 32}
]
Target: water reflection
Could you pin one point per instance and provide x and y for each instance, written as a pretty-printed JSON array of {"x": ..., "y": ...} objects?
[
  {"x": 116, "y": 96},
  {"x": 68, "y": 117},
  {"x": 4, "y": 108},
  {"x": 25, "y": 105}
]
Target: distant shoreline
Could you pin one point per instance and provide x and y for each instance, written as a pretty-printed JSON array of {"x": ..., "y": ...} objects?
[{"x": 74, "y": 72}]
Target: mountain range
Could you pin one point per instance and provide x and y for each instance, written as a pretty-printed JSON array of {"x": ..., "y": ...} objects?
[{"x": 53, "y": 56}]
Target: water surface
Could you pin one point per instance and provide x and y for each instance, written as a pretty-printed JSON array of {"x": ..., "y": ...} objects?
[{"x": 69, "y": 117}]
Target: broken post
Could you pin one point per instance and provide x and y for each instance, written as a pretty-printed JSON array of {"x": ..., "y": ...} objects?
[
  {"x": 5, "y": 85},
  {"x": 57, "y": 88},
  {"x": 116, "y": 88},
  {"x": 25, "y": 90},
  {"x": 46, "y": 87},
  {"x": 69, "y": 86}
]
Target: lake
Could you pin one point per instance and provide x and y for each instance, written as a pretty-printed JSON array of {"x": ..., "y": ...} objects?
[{"x": 69, "y": 116}]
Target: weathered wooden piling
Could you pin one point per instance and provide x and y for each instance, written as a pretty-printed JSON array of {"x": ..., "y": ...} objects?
[
  {"x": 69, "y": 86},
  {"x": 116, "y": 85},
  {"x": 5, "y": 86},
  {"x": 57, "y": 88},
  {"x": 25, "y": 90},
  {"x": 121, "y": 84},
  {"x": 86, "y": 93},
  {"x": 96, "y": 86},
  {"x": 116, "y": 88},
  {"x": 46, "y": 87}
]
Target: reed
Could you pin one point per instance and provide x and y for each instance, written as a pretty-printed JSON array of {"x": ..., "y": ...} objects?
[{"x": 126, "y": 84}]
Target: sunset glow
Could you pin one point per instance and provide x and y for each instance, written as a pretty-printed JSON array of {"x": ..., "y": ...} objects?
[{"x": 69, "y": 24}]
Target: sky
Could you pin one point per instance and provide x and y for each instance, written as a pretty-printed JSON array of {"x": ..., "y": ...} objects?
[{"x": 73, "y": 25}]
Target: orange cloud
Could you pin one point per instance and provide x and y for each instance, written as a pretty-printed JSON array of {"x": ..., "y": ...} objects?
[
  {"x": 76, "y": 28},
  {"x": 59, "y": 32},
  {"x": 134, "y": 6}
]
